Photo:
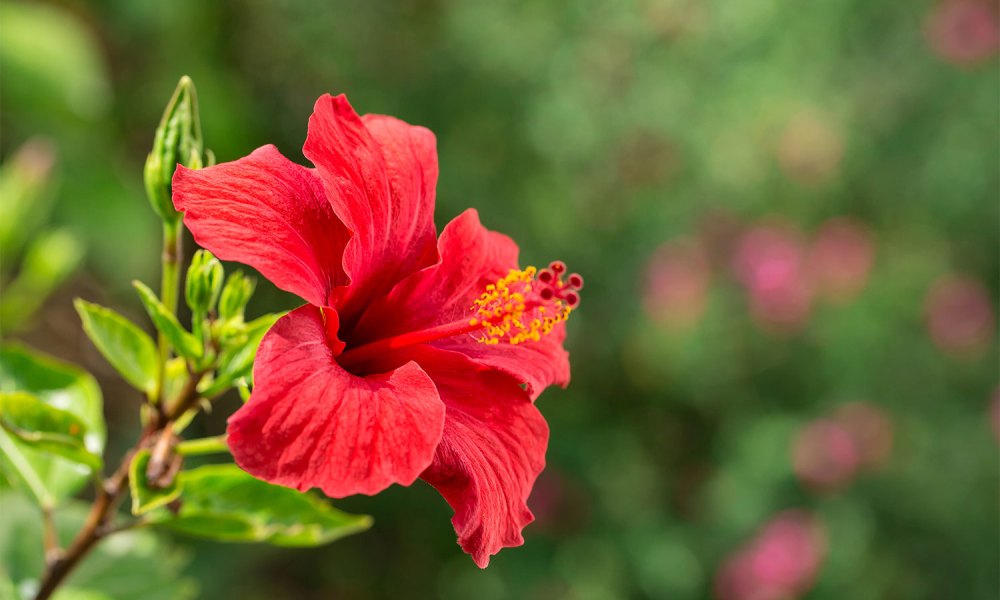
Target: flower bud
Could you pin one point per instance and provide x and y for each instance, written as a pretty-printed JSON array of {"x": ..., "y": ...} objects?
[
  {"x": 235, "y": 296},
  {"x": 204, "y": 282},
  {"x": 177, "y": 140}
]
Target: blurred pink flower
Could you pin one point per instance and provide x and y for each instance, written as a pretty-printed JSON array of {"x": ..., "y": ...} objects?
[
  {"x": 841, "y": 258},
  {"x": 871, "y": 428},
  {"x": 825, "y": 455},
  {"x": 959, "y": 315},
  {"x": 770, "y": 263},
  {"x": 677, "y": 282},
  {"x": 780, "y": 563},
  {"x": 964, "y": 32}
]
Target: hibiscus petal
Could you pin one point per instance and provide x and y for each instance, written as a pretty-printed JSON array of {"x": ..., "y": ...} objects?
[
  {"x": 309, "y": 423},
  {"x": 492, "y": 450},
  {"x": 380, "y": 174},
  {"x": 536, "y": 364},
  {"x": 270, "y": 213},
  {"x": 472, "y": 257}
]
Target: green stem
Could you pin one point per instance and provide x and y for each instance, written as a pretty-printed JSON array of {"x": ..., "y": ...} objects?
[
  {"x": 209, "y": 445},
  {"x": 169, "y": 286}
]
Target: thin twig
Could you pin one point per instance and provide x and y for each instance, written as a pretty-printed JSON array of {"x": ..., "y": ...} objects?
[{"x": 50, "y": 537}]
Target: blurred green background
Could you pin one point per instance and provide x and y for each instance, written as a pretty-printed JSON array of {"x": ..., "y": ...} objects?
[{"x": 785, "y": 364}]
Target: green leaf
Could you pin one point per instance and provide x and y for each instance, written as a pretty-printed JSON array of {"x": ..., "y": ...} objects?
[
  {"x": 129, "y": 349},
  {"x": 130, "y": 565},
  {"x": 61, "y": 386},
  {"x": 46, "y": 428},
  {"x": 50, "y": 258},
  {"x": 223, "y": 502},
  {"x": 145, "y": 497},
  {"x": 183, "y": 342},
  {"x": 237, "y": 360}
]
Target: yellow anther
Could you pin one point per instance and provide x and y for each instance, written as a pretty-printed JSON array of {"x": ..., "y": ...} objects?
[{"x": 508, "y": 311}]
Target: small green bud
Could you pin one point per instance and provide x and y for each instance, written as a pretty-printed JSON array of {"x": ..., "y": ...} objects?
[
  {"x": 235, "y": 296},
  {"x": 177, "y": 140},
  {"x": 204, "y": 282}
]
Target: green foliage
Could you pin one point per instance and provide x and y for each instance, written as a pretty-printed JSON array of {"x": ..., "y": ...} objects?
[
  {"x": 129, "y": 349},
  {"x": 45, "y": 428},
  {"x": 239, "y": 350},
  {"x": 70, "y": 397},
  {"x": 48, "y": 260},
  {"x": 24, "y": 181},
  {"x": 145, "y": 495},
  {"x": 224, "y": 503},
  {"x": 35, "y": 263},
  {"x": 180, "y": 340},
  {"x": 131, "y": 565},
  {"x": 52, "y": 61}
]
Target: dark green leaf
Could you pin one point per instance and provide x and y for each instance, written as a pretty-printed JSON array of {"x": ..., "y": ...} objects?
[
  {"x": 129, "y": 349},
  {"x": 45, "y": 428},
  {"x": 61, "y": 386},
  {"x": 166, "y": 323},
  {"x": 223, "y": 502},
  {"x": 146, "y": 497}
]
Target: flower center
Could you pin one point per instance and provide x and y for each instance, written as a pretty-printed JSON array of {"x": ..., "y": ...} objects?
[{"x": 521, "y": 307}]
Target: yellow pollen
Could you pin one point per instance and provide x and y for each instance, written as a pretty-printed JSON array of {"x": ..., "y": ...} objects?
[{"x": 509, "y": 312}]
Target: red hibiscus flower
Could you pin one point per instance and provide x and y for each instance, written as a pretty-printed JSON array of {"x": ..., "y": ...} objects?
[{"x": 412, "y": 358}]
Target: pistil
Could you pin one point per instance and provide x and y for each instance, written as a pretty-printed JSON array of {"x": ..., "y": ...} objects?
[
  {"x": 356, "y": 356},
  {"x": 521, "y": 307}
]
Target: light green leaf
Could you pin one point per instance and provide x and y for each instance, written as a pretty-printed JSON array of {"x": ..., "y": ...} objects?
[
  {"x": 145, "y": 497},
  {"x": 45, "y": 428},
  {"x": 183, "y": 342},
  {"x": 50, "y": 258},
  {"x": 130, "y": 565},
  {"x": 223, "y": 502},
  {"x": 61, "y": 386},
  {"x": 129, "y": 349}
]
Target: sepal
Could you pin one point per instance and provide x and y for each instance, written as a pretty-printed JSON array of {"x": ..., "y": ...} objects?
[{"x": 177, "y": 140}]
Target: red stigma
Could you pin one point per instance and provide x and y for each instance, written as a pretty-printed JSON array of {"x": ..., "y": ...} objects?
[{"x": 553, "y": 286}]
